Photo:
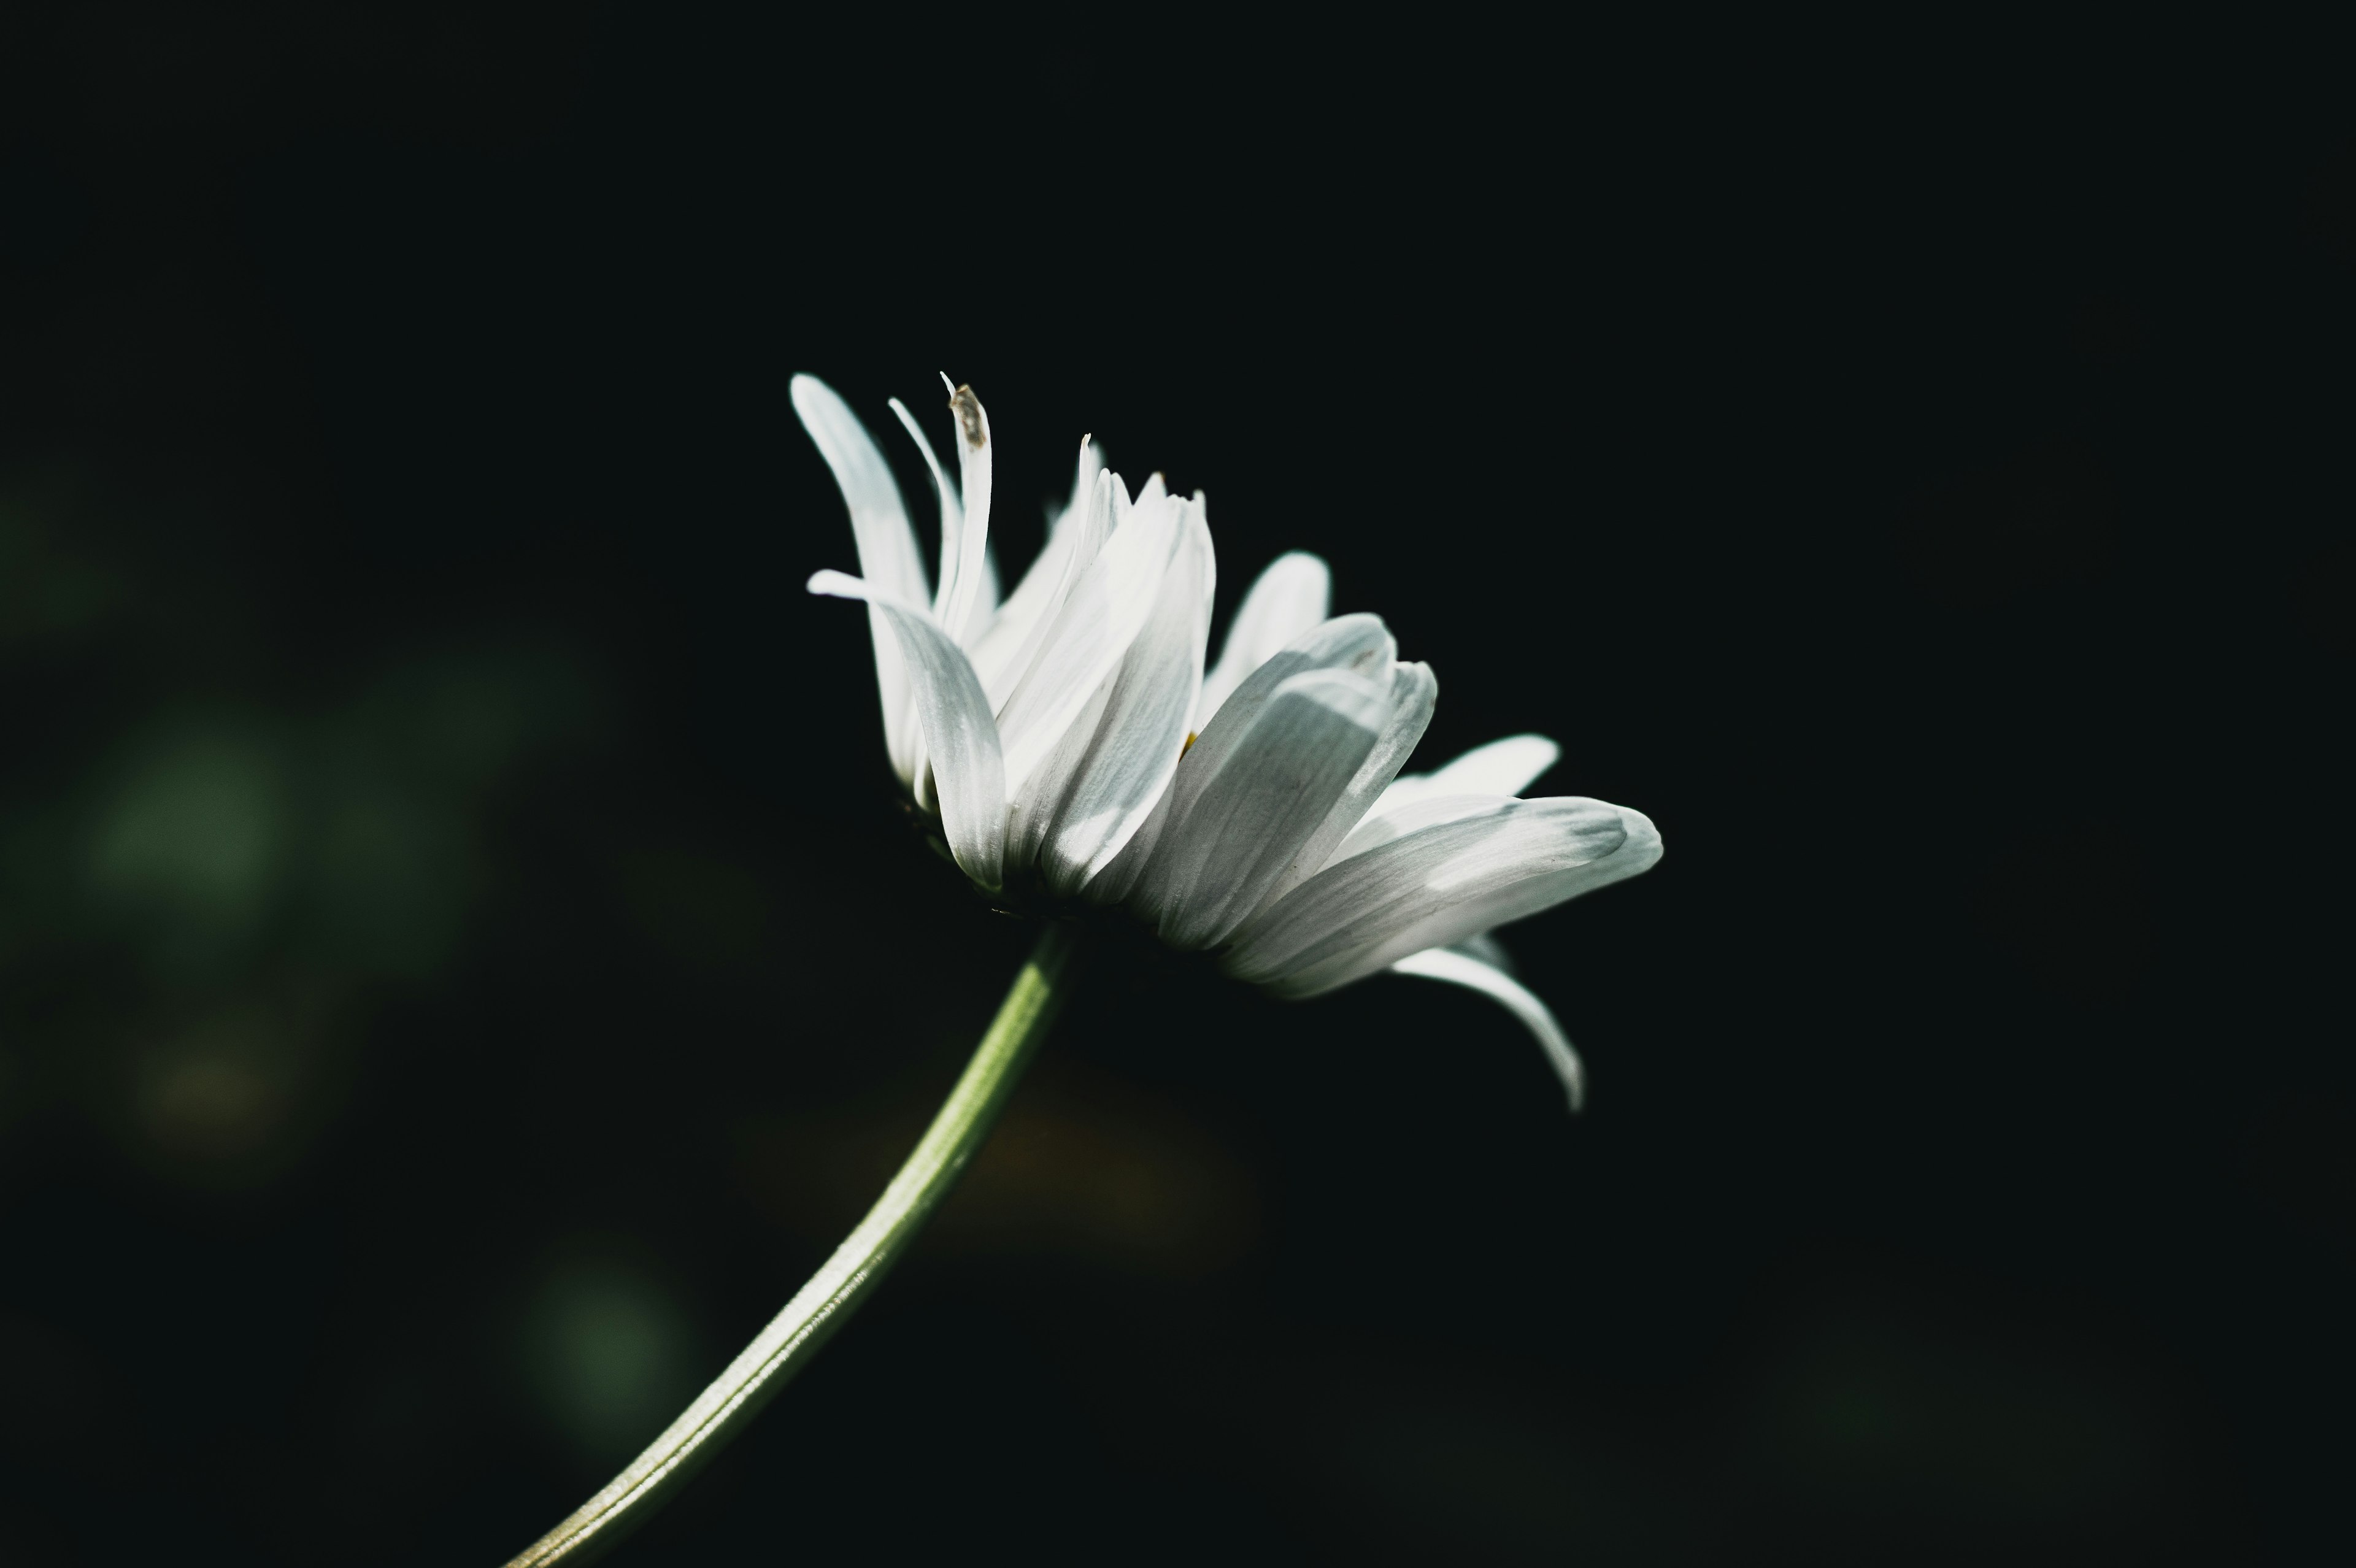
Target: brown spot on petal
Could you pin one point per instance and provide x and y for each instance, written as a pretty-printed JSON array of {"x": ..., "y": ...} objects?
[{"x": 968, "y": 408}]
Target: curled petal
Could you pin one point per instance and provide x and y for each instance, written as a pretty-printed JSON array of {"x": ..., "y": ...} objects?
[
  {"x": 1488, "y": 949},
  {"x": 888, "y": 557},
  {"x": 953, "y": 512},
  {"x": 1459, "y": 968},
  {"x": 968, "y": 773}
]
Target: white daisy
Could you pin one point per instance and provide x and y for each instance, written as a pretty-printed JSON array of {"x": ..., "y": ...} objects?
[{"x": 1073, "y": 747}]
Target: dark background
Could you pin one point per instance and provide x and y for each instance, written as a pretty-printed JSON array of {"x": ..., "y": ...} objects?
[{"x": 464, "y": 965}]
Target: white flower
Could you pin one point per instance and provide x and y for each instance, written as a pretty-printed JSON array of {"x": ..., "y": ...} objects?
[{"x": 1047, "y": 734}]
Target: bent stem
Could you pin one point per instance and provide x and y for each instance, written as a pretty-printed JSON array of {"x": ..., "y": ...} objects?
[{"x": 820, "y": 1308}]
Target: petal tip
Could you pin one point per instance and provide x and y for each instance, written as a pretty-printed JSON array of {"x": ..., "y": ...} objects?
[
  {"x": 1645, "y": 842},
  {"x": 809, "y": 395}
]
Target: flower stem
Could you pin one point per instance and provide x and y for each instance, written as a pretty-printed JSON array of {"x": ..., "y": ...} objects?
[{"x": 820, "y": 1308}]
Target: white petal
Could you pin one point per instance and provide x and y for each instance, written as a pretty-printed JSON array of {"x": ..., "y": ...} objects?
[
  {"x": 958, "y": 734},
  {"x": 959, "y": 591},
  {"x": 1414, "y": 691},
  {"x": 1083, "y": 478},
  {"x": 1501, "y": 767},
  {"x": 1487, "y": 949},
  {"x": 920, "y": 780},
  {"x": 1263, "y": 797},
  {"x": 1292, "y": 595},
  {"x": 1437, "y": 885},
  {"x": 887, "y": 547},
  {"x": 1152, "y": 493},
  {"x": 952, "y": 510},
  {"x": 1099, "y": 619},
  {"x": 1458, "y": 967},
  {"x": 985, "y": 601},
  {"x": 1085, "y": 803},
  {"x": 1357, "y": 643},
  {"x": 1010, "y": 648},
  {"x": 1120, "y": 876},
  {"x": 1413, "y": 818}
]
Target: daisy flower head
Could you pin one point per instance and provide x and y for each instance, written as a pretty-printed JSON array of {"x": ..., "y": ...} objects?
[{"x": 1076, "y": 749}]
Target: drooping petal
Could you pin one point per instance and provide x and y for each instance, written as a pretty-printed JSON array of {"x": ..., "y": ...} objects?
[
  {"x": 888, "y": 556},
  {"x": 1265, "y": 795},
  {"x": 973, "y": 540},
  {"x": 968, "y": 772},
  {"x": 1458, "y": 967},
  {"x": 1437, "y": 885},
  {"x": 1088, "y": 798},
  {"x": 1291, "y": 596},
  {"x": 1485, "y": 946},
  {"x": 1357, "y": 643},
  {"x": 1501, "y": 767},
  {"x": 1100, "y": 618},
  {"x": 1414, "y": 692}
]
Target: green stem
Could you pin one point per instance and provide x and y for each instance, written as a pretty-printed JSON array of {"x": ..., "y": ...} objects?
[{"x": 820, "y": 1308}]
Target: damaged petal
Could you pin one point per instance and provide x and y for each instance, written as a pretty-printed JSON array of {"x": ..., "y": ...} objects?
[{"x": 972, "y": 423}]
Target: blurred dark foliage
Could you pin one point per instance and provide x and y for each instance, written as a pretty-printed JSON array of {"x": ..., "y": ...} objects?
[{"x": 464, "y": 964}]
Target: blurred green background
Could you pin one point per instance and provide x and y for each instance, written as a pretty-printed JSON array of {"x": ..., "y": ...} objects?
[{"x": 461, "y": 964}]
